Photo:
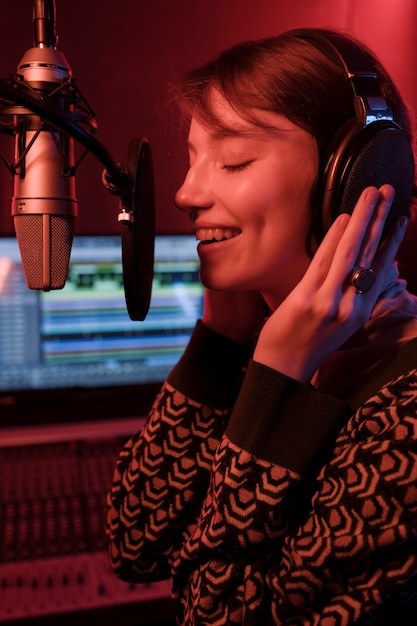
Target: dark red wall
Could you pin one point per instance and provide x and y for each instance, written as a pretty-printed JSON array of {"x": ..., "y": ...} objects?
[{"x": 124, "y": 53}]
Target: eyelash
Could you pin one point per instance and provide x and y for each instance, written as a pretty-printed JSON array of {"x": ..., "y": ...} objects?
[{"x": 237, "y": 168}]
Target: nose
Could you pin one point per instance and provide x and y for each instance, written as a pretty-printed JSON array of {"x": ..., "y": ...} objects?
[{"x": 193, "y": 194}]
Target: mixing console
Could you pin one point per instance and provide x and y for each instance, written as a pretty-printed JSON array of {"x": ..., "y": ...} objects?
[
  {"x": 68, "y": 584},
  {"x": 53, "y": 561}
]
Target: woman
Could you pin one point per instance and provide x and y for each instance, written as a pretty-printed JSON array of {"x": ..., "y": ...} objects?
[{"x": 275, "y": 477}]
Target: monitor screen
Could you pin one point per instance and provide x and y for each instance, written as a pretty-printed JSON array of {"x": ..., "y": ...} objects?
[{"x": 82, "y": 336}]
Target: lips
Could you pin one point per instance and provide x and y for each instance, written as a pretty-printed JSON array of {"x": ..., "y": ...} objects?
[{"x": 209, "y": 235}]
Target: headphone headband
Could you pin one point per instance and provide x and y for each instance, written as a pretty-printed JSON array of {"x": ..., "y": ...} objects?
[{"x": 359, "y": 69}]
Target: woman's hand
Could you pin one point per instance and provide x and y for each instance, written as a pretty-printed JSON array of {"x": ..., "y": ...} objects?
[
  {"x": 324, "y": 309},
  {"x": 236, "y": 315}
]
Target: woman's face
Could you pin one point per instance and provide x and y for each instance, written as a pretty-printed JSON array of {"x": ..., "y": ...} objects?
[{"x": 248, "y": 194}]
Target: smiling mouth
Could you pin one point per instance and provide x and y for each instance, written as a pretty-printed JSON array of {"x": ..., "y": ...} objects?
[{"x": 213, "y": 235}]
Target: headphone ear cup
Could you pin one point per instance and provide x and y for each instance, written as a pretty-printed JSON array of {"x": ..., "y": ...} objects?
[{"x": 371, "y": 155}]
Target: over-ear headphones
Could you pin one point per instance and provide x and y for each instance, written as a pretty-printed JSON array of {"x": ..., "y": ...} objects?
[{"x": 371, "y": 148}]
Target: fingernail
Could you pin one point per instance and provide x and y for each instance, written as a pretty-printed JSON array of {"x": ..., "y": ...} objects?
[
  {"x": 403, "y": 221},
  {"x": 391, "y": 195},
  {"x": 373, "y": 195}
]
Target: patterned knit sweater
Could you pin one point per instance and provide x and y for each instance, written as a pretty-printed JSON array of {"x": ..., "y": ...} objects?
[{"x": 268, "y": 502}]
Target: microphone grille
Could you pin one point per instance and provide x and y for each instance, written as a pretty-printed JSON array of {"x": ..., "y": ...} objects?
[{"x": 45, "y": 247}]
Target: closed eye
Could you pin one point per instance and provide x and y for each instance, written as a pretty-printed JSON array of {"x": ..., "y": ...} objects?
[{"x": 238, "y": 167}]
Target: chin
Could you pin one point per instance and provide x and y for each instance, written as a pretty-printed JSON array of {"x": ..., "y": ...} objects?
[
  {"x": 217, "y": 283},
  {"x": 214, "y": 286},
  {"x": 214, "y": 283}
]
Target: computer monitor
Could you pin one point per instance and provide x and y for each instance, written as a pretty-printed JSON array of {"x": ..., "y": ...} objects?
[{"x": 59, "y": 345}]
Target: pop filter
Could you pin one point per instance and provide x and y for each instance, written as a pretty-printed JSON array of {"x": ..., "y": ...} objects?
[{"x": 137, "y": 216}]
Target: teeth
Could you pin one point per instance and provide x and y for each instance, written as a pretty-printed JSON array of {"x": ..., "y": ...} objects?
[{"x": 208, "y": 234}]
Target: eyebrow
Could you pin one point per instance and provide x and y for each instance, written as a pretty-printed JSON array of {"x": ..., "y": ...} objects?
[
  {"x": 224, "y": 133},
  {"x": 249, "y": 132}
]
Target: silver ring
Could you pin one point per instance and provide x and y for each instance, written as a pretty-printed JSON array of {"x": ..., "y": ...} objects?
[{"x": 363, "y": 279}]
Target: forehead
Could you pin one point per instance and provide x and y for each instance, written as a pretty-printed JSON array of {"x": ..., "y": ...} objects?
[{"x": 228, "y": 121}]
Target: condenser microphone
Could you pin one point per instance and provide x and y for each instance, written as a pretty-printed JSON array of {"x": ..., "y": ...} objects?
[
  {"x": 49, "y": 115},
  {"x": 44, "y": 204}
]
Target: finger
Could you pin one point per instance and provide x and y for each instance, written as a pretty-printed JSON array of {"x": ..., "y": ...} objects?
[
  {"x": 384, "y": 259},
  {"x": 388, "y": 249},
  {"x": 367, "y": 219},
  {"x": 348, "y": 251},
  {"x": 372, "y": 237},
  {"x": 323, "y": 258}
]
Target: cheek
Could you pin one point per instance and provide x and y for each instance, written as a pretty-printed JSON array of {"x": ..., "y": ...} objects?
[
  {"x": 295, "y": 189},
  {"x": 286, "y": 199}
]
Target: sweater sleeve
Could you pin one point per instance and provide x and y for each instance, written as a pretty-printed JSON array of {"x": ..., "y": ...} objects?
[
  {"x": 210, "y": 370},
  {"x": 283, "y": 421},
  {"x": 162, "y": 474}
]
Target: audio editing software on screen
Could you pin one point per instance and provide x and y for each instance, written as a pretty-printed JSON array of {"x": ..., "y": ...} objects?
[{"x": 82, "y": 335}]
